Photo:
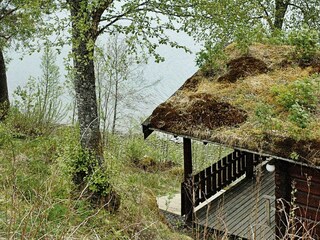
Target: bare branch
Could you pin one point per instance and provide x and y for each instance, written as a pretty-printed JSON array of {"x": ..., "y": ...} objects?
[
  {"x": 116, "y": 18},
  {"x": 267, "y": 16},
  {"x": 6, "y": 12}
]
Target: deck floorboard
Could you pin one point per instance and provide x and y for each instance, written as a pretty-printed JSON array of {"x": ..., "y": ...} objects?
[{"x": 242, "y": 210}]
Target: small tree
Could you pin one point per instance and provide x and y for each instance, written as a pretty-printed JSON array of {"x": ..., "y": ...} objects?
[
  {"x": 120, "y": 82},
  {"x": 20, "y": 24},
  {"x": 40, "y": 99}
]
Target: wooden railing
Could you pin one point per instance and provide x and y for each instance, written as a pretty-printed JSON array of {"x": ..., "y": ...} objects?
[{"x": 219, "y": 175}]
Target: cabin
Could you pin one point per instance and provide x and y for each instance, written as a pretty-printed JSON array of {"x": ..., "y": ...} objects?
[{"x": 264, "y": 105}]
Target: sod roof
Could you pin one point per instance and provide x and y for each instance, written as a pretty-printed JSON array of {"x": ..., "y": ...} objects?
[{"x": 265, "y": 101}]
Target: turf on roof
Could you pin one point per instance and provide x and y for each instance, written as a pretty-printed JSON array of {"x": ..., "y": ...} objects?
[{"x": 265, "y": 101}]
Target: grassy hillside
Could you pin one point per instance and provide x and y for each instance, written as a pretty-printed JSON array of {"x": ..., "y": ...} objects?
[{"x": 37, "y": 200}]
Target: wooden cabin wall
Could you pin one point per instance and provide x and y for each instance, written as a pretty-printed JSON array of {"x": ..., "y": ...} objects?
[{"x": 298, "y": 200}]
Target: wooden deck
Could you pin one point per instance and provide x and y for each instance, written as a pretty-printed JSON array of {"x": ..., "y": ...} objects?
[{"x": 247, "y": 210}]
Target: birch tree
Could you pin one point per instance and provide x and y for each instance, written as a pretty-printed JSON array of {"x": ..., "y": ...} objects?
[{"x": 121, "y": 87}]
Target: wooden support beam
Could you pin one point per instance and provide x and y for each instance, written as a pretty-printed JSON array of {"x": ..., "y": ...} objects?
[
  {"x": 283, "y": 196},
  {"x": 187, "y": 157},
  {"x": 188, "y": 184},
  {"x": 249, "y": 165}
]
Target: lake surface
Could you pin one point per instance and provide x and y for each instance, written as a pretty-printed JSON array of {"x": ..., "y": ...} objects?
[{"x": 177, "y": 67}]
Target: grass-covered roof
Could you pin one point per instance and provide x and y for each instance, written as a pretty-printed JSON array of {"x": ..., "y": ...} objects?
[{"x": 266, "y": 100}]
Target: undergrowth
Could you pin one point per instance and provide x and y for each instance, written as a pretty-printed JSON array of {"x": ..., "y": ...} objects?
[{"x": 39, "y": 201}]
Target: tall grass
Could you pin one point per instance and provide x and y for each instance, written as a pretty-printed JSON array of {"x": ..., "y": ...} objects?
[{"x": 38, "y": 201}]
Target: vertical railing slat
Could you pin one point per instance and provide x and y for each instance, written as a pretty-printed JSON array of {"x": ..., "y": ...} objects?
[
  {"x": 208, "y": 181},
  {"x": 214, "y": 178},
  {"x": 220, "y": 174},
  {"x": 229, "y": 162},
  {"x": 196, "y": 188},
  {"x": 202, "y": 185},
  {"x": 224, "y": 172}
]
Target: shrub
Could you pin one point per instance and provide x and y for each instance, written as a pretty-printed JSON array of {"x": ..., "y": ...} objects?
[
  {"x": 306, "y": 42},
  {"x": 299, "y": 115},
  {"x": 210, "y": 58},
  {"x": 302, "y": 92},
  {"x": 264, "y": 114}
]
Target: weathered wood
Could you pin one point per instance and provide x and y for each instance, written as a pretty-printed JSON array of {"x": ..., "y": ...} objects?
[
  {"x": 234, "y": 164},
  {"x": 306, "y": 183},
  {"x": 282, "y": 191},
  {"x": 307, "y": 199},
  {"x": 238, "y": 210},
  {"x": 214, "y": 180},
  {"x": 304, "y": 173},
  {"x": 187, "y": 157},
  {"x": 239, "y": 173},
  {"x": 146, "y": 131},
  {"x": 229, "y": 162},
  {"x": 222, "y": 173},
  {"x": 308, "y": 213},
  {"x": 219, "y": 173},
  {"x": 209, "y": 180},
  {"x": 302, "y": 185},
  {"x": 183, "y": 199},
  {"x": 249, "y": 165}
]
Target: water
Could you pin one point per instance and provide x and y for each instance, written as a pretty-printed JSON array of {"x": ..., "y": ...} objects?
[{"x": 171, "y": 74}]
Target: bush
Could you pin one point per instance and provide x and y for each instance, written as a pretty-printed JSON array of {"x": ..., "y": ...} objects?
[
  {"x": 302, "y": 92},
  {"x": 306, "y": 42},
  {"x": 210, "y": 58},
  {"x": 299, "y": 115},
  {"x": 300, "y": 99},
  {"x": 264, "y": 114}
]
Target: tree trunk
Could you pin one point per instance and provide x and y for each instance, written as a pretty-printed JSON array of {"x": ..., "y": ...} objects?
[
  {"x": 84, "y": 83},
  {"x": 4, "y": 96},
  {"x": 115, "y": 107},
  {"x": 280, "y": 12},
  {"x": 83, "y": 40}
]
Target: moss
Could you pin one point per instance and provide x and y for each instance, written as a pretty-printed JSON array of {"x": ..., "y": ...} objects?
[
  {"x": 201, "y": 110},
  {"x": 222, "y": 107},
  {"x": 243, "y": 67}
]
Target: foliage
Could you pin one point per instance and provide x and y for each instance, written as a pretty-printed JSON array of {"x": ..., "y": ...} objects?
[
  {"x": 299, "y": 115},
  {"x": 306, "y": 41},
  {"x": 37, "y": 200},
  {"x": 134, "y": 151},
  {"x": 299, "y": 98},
  {"x": 209, "y": 59},
  {"x": 22, "y": 21},
  {"x": 38, "y": 103},
  {"x": 264, "y": 114},
  {"x": 245, "y": 22},
  {"x": 302, "y": 92},
  {"x": 121, "y": 87}
]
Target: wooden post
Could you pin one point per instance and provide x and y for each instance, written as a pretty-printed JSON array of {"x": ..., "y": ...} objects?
[
  {"x": 283, "y": 196},
  {"x": 188, "y": 185},
  {"x": 249, "y": 165}
]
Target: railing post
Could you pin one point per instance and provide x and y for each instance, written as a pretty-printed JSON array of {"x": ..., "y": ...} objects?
[
  {"x": 249, "y": 165},
  {"x": 188, "y": 183}
]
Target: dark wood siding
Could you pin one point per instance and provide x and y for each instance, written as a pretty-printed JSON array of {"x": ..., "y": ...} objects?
[{"x": 298, "y": 193}]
